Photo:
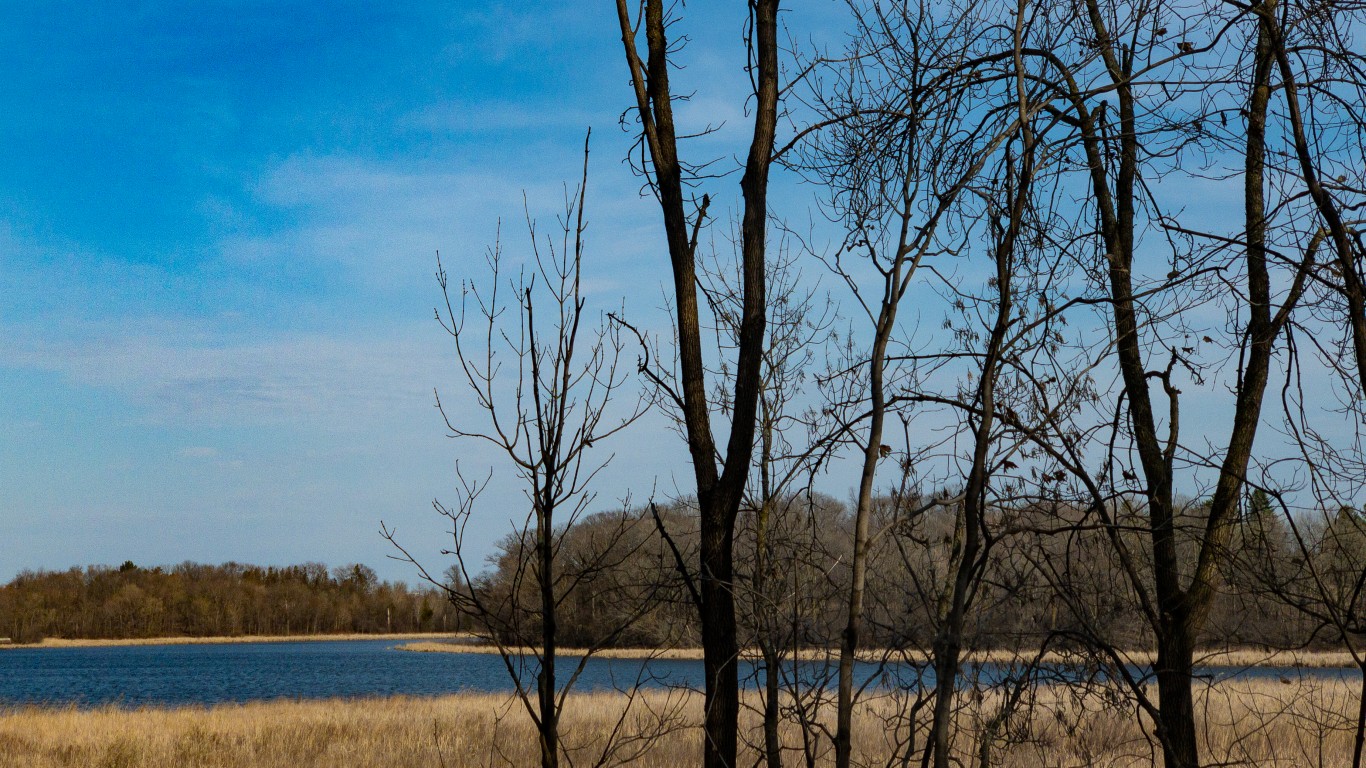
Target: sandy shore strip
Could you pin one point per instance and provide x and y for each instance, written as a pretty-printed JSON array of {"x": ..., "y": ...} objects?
[
  {"x": 457, "y": 646},
  {"x": 1237, "y": 658},
  {"x": 59, "y": 642}
]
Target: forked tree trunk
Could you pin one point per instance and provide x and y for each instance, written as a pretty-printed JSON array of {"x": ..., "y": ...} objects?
[
  {"x": 1181, "y": 609},
  {"x": 718, "y": 493}
]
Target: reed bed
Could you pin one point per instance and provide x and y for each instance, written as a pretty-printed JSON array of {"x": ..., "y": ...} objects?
[{"x": 1252, "y": 723}]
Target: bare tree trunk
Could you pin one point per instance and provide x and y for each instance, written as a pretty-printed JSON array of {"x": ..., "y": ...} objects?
[
  {"x": 773, "y": 745},
  {"x": 949, "y": 643},
  {"x": 849, "y": 638},
  {"x": 1176, "y": 702},
  {"x": 773, "y": 748},
  {"x": 720, "y": 648},
  {"x": 1359, "y": 738},
  {"x": 549, "y": 726},
  {"x": 1182, "y": 612}
]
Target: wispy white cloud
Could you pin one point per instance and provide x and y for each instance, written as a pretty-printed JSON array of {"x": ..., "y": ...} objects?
[
  {"x": 381, "y": 222},
  {"x": 377, "y": 225},
  {"x": 373, "y": 225},
  {"x": 185, "y": 381}
]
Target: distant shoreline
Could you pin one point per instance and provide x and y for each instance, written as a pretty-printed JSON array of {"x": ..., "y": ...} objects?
[
  {"x": 1230, "y": 659},
  {"x": 446, "y": 642},
  {"x": 60, "y": 642}
]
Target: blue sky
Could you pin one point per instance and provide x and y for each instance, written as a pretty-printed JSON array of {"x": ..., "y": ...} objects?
[{"x": 218, "y": 223}]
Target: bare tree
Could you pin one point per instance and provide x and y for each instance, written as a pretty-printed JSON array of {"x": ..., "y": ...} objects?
[
  {"x": 719, "y": 488},
  {"x": 1176, "y": 577},
  {"x": 544, "y": 413},
  {"x": 903, "y": 147}
]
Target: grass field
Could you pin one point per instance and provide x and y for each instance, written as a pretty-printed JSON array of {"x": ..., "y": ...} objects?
[{"x": 1243, "y": 723}]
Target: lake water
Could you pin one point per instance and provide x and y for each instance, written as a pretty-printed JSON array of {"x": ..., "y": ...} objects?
[
  {"x": 208, "y": 674},
  {"x": 235, "y": 672}
]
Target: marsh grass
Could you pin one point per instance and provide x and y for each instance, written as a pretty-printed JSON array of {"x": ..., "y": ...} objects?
[{"x": 1252, "y": 723}]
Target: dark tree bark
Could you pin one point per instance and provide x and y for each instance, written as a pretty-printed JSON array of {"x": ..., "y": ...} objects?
[{"x": 719, "y": 489}]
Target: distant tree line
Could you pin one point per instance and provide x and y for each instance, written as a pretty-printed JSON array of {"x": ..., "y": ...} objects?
[
  {"x": 1037, "y": 588},
  {"x": 196, "y": 600}
]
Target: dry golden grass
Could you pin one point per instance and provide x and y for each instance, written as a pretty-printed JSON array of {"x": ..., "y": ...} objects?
[
  {"x": 1235, "y": 659},
  {"x": 1244, "y": 723},
  {"x": 1254, "y": 658},
  {"x": 58, "y": 642}
]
